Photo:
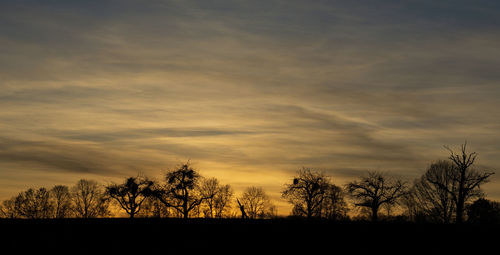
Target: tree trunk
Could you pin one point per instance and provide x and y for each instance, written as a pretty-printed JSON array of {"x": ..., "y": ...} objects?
[
  {"x": 374, "y": 214},
  {"x": 309, "y": 209},
  {"x": 460, "y": 209},
  {"x": 461, "y": 197},
  {"x": 185, "y": 211}
]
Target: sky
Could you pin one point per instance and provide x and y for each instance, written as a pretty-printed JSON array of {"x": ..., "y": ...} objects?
[{"x": 248, "y": 91}]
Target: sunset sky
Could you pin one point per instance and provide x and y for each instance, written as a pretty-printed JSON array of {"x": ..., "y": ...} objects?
[{"x": 248, "y": 91}]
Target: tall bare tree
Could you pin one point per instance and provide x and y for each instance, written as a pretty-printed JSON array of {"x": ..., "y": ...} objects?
[
  {"x": 209, "y": 188},
  {"x": 131, "y": 194},
  {"x": 218, "y": 197},
  {"x": 430, "y": 192},
  {"x": 256, "y": 203},
  {"x": 469, "y": 179},
  {"x": 409, "y": 203},
  {"x": 375, "y": 190},
  {"x": 181, "y": 190},
  {"x": 61, "y": 200},
  {"x": 89, "y": 200},
  {"x": 222, "y": 200},
  {"x": 307, "y": 192},
  {"x": 34, "y": 204},
  {"x": 334, "y": 205}
]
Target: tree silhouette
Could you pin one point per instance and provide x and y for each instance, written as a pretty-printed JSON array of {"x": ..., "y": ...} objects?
[
  {"x": 153, "y": 207},
  {"x": 89, "y": 200},
  {"x": 307, "y": 192},
  {"x": 209, "y": 188},
  {"x": 61, "y": 201},
  {"x": 429, "y": 196},
  {"x": 443, "y": 193},
  {"x": 131, "y": 194},
  {"x": 428, "y": 200},
  {"x": 181, "y": 190},
  {"x": 469, "y": 180},
  {"x": 375, "y": 190},
  {"x": 222, "y": 200},
  {"x": 255, "y": 203},
  {"x": 34, "y": 204},
  {"x": 218, "y": 197},
  {"x": 484, "y": 211},
  {"x": 8, "y": 209},
  {"x": 334, "y": 206}
]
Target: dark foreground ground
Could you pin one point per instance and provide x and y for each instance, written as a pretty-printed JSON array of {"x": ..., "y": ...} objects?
[{"x": 232, "y": 236}]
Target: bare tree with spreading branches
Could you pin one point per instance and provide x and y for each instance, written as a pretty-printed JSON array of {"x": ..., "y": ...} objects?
[
  {"x": 218, "y": 197},
  {"x": 334, "y": 205},
  {"x": 181, "y": 190},
  {"x": 429, "y": 194},
  {"x": 34, "y": 204},
  {"x": 131, "y": 194},
  {"x": 89, "y": 200},
  {"x": 222, "y": 200},
  {"x": 376, "y": 190},
  {"x": 307, "y": 192},
  {"x": 62, "y": 201},
  {"x": 469, "y": 179},
  {"x": 209, "y": 188},
  {"x": 256, "y": 203},
  {"x": 8, "y": 209}
]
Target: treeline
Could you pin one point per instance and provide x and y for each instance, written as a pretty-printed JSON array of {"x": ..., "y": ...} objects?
[
  {"x": 449, "y": 191},
  {"x": 183, "y": 193}
]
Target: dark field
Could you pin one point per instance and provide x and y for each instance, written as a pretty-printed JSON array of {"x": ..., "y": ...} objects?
[{"x": 279, "y": 236}]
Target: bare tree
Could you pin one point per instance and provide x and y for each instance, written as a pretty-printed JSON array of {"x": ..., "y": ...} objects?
[
  {"x": 181, "y": 190},
  {"x": 34, "y": 204},
  {"x": 131, "y": 194},
  {"x": 61, "y": 200},
  {"x": 255, "y": 202},
  {"x": 375, "y": 190},
  {"x": 218, "y": 197},
  {"x": 307, "y": 192},
  {"x": 334, "y": 206},
  {"x": 89, "y": 200},
  {"x": 222, "y": 200},
  {"x": 209, "y": 188},
  {"x": 8, "y": 209},
  {"x": 430, "y": 192},
  {"x": 469, "y": 179},
  {"x": 152, "y": 207},
  {"x": 408, "y": 202}
]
